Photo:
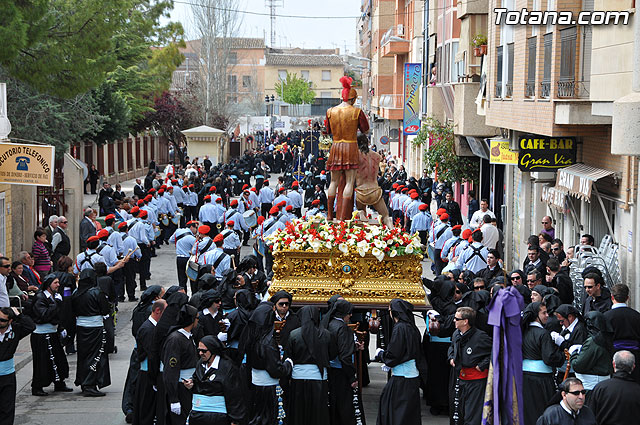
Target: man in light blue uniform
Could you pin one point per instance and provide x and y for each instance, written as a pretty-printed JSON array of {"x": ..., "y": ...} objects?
[
  {"x": 295, "y": 199},
  {"x": 421, "y": 222},
  {"x": 129, "y": 244},
  {"x": 183, "y": 240},
  {"x": 88, "y": 258},
  {"x": 208, "y": 215},
  {"x": 411, "y": 209},
  {"x": 203, "y": 244},
  {"x": 219, "y": 260},
  {"x": 269, "y": 226},
  {"x": 315, "y": 209},
  {"x": 191, "y": 203},
  {"x": 450, "y": 246},
  {"x": 441, "y": 234},
  {"x": 114, "y": 237},
  {"x": 474, "y": 257},
  {"x": 265, "y": 198},
  {"x": 231, "y": 244},
  {"x": 282, "y": 196}
]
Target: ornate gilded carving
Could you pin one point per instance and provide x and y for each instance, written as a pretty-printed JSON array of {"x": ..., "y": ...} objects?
[{"x": 313, "y": 278}]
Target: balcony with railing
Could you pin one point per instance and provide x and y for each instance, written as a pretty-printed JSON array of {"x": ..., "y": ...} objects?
[
  {"x": 498, "y": 89},
  {"x": 567, "y": 89},
  {"x": 530, "y": 89},
  {"x": 508, "y": 90},
  {"x": 393, "y": 42},
  {"x": 545, "y": 89}
]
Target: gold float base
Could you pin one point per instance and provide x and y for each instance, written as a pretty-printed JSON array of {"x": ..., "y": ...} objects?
[{"x": 313, "y": 278}]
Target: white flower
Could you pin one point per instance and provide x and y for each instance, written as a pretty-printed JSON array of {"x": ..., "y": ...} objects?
[
  {"x": 375, "y": 230},
  {"x": 393, "y": 253},
  {"x": 408, "y": 249},
  {"x": 377, "y": 253},
  {"x": 379, "y": 243},
  {"x": 344, "y": 248},
  {"x": 315, "y": 245}
]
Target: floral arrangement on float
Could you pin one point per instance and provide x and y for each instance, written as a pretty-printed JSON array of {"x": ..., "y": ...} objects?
[{"x": 316, "y": 234}]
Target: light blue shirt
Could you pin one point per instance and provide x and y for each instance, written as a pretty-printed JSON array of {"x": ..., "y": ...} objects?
[
  {"x": 266, "y": 195},
  {"x": 238, "y": 220},
  {"x": 446, "y": 235},
  {"x": 420, "y": 221},
  {"x": 219, "y": 208},
  {"x": 191, "y": 199},
  {"x": 130, "y": 243},
  {"x": 138, "y": 231},
  {"x": 109, "y": 254},
  {"x": 199, "y": 246},
  {"x": 295, "y": 199},
  {"x": 91, "y": 257},
  {"x": 173, "y": 204},
  {"x": 184, "y": 243},
  {"x": 208, "y": 213},
  {"x": 446, "y": 254},
  {"x": 115, "y": 240},
  {"x": 277, "y": 226},
  {"x": 412, "y": 209},
  {"x": 469, "y": 261},
  {"x": 281, "y": 198},
  {"x": 211, "y": 256},
  {"x": 231, "y": 240},
  {"x": 178, "y": 194}
]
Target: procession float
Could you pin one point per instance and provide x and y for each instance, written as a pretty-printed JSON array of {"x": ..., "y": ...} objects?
[{"x": 366, "y": 262}]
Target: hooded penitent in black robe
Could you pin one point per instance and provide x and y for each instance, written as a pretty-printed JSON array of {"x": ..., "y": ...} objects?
[
  {"x": 222, "y": 379},
  {"x": 435, "y": 347},
  {"x": 139, "y": 315},
  {"x": 179, "y": 358},
  {"x": 342, "y": 371},
  {"x": 49, "y": 360},
  {"x": 466, "y": 396},
  {"x": 145, "y": 397},
  {"x": 238, "y": 320},
  {"x": 400, "y": 399},
  {"x": 308, "y": 347},
  {"x": 537, "y": 346},
  {"x": 267, "y": 367},
  {"x": 93, "y": 362},
  {"x": 169, "y": 320}
]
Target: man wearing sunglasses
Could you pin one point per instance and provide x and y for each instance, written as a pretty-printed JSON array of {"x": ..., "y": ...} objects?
[
  {"x": 571, "y": 410},
  {"x": 5, "y": 268}
]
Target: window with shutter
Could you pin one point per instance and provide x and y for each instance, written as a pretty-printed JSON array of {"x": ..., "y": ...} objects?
[
  {"x": 566, "y": 83},
  {"x": 498, "y": 92},
  {"x": 530, "y": 88},
  {"x": 545, "y": 85}
]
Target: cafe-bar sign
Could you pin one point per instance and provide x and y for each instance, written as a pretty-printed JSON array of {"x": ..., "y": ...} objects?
[
  {"x": 26, "y": 164},
  {"x": 539, "y": 153}
]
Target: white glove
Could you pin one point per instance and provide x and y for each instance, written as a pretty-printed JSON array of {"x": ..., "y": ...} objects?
[
  {"x": 222, "y": 336},
  {"x": 378, "y": 351},
  {"x": 575, "y": 348},
  {"x": 432, "y": 314},
  {"x": 289, "y": 360},
  {"x": 385, "y": 368},
  {"x": 226, "y": 322},
  {"x": 155, "y": 388},
  {"x": 555, "y": 336},
  {"x": 63, "y": 334},
  {"x": 175, "y": 408}
]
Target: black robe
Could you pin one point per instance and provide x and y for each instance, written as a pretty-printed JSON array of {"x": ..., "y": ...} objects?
[
  {"x": 616, "y": 400},
  {"x": 625, "y": 322},
  {"x": 224, "y": 381},
  {"x": 20, "y": 328},
  {"x": 400, "y": 398},
  {"x": 556, "y": 415},
  {"x": 93, "y": 361},
  {"x": 538, "y": 388},
  {"x": 466, "y": 397},
  {"x": 145, "y": 397},
  {"x": 308, "y": 401},
  {"x": 178, "y": 353},
  {"x": 49, "y": 360},
  {"x": 342, "y": 348}
]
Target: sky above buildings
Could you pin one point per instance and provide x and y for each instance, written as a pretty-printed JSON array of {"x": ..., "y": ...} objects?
[{"x": 321, "y": 28}]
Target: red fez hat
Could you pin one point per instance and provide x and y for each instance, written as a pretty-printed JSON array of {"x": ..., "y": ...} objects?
[
  {"x": 174, "y": 181},
  {"x": 134, "y": 210},
  {"x": 231, "y": 223},
  {"x": 212, "y": 189},
  {"x": 218, "y": 238},
  {"x": 457, "y": 227},
  {"x": 289, "y": 208},
  {"x": 234, "y": 203},
  {"x": 122, "y": 225},
  {"x": 140, "y": 202},
  {"x": 281, "y": 190},
  {"x": 253, "y": 189},
  {"x": 274, "y": 210},
  {"x": 148, "y": 198},
  {"x": 191, "y": 186},
  {"x": 143, "y": 213},
  {"x": 207, "y": 198},
  {"x": 104, "y": 233},
  {"x": 246, "y": 186},
  {"x": 161, "y": 191},
  {"x": 218, "y": 199},
  {"x": 315, "y": 202},
  {"x": 93, "y": 239},
  {"x": 204, "y": 229},
  {"x": 260, "y": 220},
  {"x": 444, "y": 217},
  {"x": 152, "y": 190},
  {"x": 466, "y": 233},
  {"x": 414, "y": 195},
  {"x": 423, "y": 207},
  {"x": 441, "y": 211},
  {"x": 192, "y": 223},
  {"x": 294, "y": 184},
  {"x": 110, "y": 217}
]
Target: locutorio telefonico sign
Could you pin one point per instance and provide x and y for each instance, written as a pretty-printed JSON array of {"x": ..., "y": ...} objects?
[
  {"x": 26, "y": 164},
  {"x": 538, "y": 153}
]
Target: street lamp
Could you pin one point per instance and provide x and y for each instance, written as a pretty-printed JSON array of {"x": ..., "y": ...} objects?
[{"x": 269, "y": 101}]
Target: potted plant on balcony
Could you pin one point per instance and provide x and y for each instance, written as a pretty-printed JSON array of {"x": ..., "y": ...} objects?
[{"x": 479, "y": 45}]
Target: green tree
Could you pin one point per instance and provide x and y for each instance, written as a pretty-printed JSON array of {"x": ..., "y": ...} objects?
[
  {"x": 113, "y": 106},
  {"x": 49, "y": 119},
  {"x": 295, "y": 90},
  {"x": 441, "y": 156}
]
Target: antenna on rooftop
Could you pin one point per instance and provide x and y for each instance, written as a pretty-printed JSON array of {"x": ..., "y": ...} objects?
[{"x": 272, "y": 4}]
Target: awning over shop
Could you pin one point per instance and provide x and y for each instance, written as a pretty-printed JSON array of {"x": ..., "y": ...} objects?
[
  {"x": 578, "y": 179},
  {"x": 554, "y": 198}
]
